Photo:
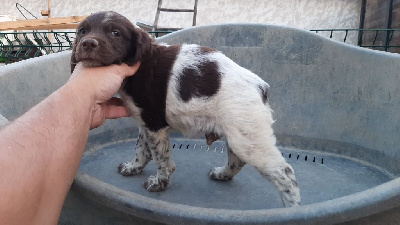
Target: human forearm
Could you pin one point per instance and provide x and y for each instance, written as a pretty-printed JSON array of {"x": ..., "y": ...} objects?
[
  {"x": 40, "y": 152},
  {"x": 37, "y": 170}
]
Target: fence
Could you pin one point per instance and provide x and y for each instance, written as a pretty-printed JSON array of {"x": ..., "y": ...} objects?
[
  {"x": 16, "y": 46},
  {"x": 379, "y": 39}
]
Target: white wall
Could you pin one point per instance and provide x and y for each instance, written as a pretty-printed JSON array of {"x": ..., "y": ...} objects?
[{"x": 303, "y": 14}]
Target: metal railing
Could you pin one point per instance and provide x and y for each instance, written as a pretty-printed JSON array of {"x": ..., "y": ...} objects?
[
  {"x": 16, "y": 46},
  {"x": 382, "y": 39}
]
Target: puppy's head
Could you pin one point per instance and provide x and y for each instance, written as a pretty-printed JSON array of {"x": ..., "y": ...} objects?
[{"x": 106, "y": 38}]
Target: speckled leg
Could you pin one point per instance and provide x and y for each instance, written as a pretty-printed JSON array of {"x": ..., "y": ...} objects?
[
  {"x": 263, "y": 154},
  {"x": 142, "y": 157},
  {"x": 159, "y": 146},
  {"x": 283, "y": 178},
  {"x": 227, "y": 172}
]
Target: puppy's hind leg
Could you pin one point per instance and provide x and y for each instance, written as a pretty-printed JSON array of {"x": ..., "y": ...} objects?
[
  {"x": 160, "y": 148},
  {"x": 142, "y": 157},
  {"x": 268, "y": 160},
  {"x": 228, "y": 171},
  {"x": 283, "y": 178}
]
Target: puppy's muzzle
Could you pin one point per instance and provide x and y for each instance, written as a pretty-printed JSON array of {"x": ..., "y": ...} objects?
[{"x": 89, "y": 44}]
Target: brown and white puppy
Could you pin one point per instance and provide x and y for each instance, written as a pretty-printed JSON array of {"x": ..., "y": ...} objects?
[{"x": 194, "y": 89}]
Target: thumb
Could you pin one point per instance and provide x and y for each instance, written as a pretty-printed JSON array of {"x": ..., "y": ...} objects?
[{"x": 125, "y": 71}]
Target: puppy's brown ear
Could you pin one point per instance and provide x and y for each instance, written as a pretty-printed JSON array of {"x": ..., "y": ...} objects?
[{"x": 142, "y": 47}]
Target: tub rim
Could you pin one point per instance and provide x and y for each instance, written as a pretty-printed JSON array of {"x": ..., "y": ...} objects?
[{"x": 346, "y": 208}]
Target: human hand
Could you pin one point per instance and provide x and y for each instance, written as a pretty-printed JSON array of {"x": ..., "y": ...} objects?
[{"x": 101, "y": 84}]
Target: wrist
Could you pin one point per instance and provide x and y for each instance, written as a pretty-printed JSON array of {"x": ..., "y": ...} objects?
[{"x": 79, "y": 100}]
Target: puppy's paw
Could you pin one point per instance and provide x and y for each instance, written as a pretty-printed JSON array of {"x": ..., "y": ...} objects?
[
  {"x": 153, "y": 184},
  {"x": 129, "y": 169},
  {"x": 218, "y": 173}
]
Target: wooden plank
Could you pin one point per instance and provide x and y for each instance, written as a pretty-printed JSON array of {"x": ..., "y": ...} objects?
[
  {"x": 43, "y": 24},
  {"x": 52, "y": 27}
]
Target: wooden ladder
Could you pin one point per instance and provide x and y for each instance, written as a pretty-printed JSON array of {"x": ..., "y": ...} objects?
[{"x": 161, "y": 9}]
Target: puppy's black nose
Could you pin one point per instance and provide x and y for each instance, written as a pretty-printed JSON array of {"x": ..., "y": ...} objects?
[{"x": 89, "y": 44}]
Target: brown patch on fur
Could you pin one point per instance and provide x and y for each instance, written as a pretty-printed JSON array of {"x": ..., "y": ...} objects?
[
  {"x": 203, "y": 81},
  {"x": 211, "y": 137},
  {"x": 206, "y": 50},
  {"x": 148, "y": 88},
  {"x": 288, "y": 171},
  {"x": 264, "y": 93}
]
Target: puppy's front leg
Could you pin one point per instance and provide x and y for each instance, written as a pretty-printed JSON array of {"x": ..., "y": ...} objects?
[
  {"x": 158, "y": 143},
  {"x": 142, "y": 157}
]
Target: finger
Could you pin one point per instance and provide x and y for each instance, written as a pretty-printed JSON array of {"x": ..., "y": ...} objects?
[
  {"x": 115, "y": 111},
  {"x": 115, "y": 101}
]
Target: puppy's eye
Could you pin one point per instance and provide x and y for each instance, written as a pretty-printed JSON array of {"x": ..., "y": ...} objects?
[
  {"x": 115, "y": 33},
  {"x": 82, "y": 31}
]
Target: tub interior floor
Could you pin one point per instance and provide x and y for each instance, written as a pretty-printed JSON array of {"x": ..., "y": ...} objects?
[{"x": 321, "y": 176}]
